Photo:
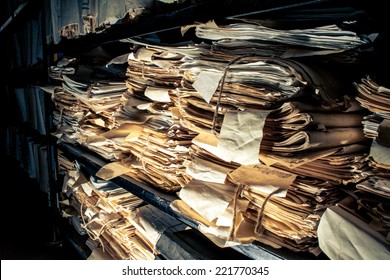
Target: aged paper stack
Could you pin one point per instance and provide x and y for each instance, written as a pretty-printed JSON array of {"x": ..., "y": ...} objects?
[
  {"x": 155, "y": 146},
  {"x": 254, "y": 129},
  {"x": 277, "y": 136},
  {"x": 117, "y": 222},
  {"x": 86, "y": 99},
  {"x": 365, "y": 212}
]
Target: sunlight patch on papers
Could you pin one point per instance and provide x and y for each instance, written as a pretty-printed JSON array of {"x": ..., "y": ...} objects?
[
  {"x": 112, "y": 170},
  {"x": 263, "y": 178}
]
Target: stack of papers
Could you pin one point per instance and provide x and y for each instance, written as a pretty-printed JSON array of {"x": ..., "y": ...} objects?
[
  {"x": 329, "y": 37},
  {"x": 68, "y": 114},
  {"x": 156, "y": 141},
  {"x": 101, "y": 96},
  {"x": 104, "y": 210},
  {"x": 276, "y": 138},
  {"x": 254, "y": 83},
  {"x": 373, "y": 194},
  {"x": 365, "y": 211}
]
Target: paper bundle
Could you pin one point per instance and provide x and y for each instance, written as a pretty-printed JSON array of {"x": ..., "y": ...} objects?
[
  {"x": 259, "y": 117},
  {"x": 373, "y": 195},
  {"x": 156, "y": 141},
  {"x": 105, "y": 210}
]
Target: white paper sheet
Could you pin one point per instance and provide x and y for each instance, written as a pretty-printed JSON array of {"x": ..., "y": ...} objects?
[
  {"x": 207, "y": 83},
  {"x": 158, "y": 94}
]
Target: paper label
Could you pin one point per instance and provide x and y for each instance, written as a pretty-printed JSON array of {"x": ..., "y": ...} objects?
[{"x": 262, "y": 178}]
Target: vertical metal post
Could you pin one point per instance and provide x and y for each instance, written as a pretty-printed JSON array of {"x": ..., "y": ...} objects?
[{"x": 53, "y": 196}]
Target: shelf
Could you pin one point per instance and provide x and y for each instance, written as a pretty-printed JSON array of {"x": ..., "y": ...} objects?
[
  {"x": 24, "y": 11},
  {"x": 190, "y": 244},
  {"x": 161, "y": 200},
  {"x": 202, "y": 12},
  {"x": 149, "y": 194}
]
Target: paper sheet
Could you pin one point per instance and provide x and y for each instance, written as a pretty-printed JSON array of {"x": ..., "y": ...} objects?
[
  {"x": 207, "y": 141},
  {"x": 145, "y": 54},
  {"x": 380, "y": 153},
  {"x": 241, "y": 135},
  {"x": 207, "y": 83},
  {"x": 340, "y": 239},
  {"x": 158, "y": 94},
  {"x": 112, "y": 170},
  {"x": 210, "y": 200},
  {"x": 207, "y": 171},
  {"x": 384, "y": 133},
  {"x": 263, "y": 178}
]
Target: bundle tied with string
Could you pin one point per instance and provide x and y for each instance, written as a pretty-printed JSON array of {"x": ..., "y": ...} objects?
[
  {"x": 253, "y": 82},
  {"x": 271, "y": 208},
  {"x": 259, "y": 229},
  {"x": 221, "y": 84}
]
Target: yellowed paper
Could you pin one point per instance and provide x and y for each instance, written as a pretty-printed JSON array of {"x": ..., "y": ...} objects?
[
  {"x": 218, "y": 235},
  {"x": 207, "y": 141},
  {"x": 145, "y": 54},
  {"x": 176, "y": 112},
  {"x": 87, "y": 188},
  {"x": 97, "y": 140},
  {"x": 122, "y": 131},
  {"x": 133, "y": 136},
  {"x": 98, "y": 122},
  {"x": 263, "y": 178},
  {"x": 207, "y": 171},
  {"x": 185, "y": 28},
  {"x": 184, "y": 209},
  {"x": 164, "y": 64},
  {"x": 241, "y": 135},
  {"x": 210, "y": 200},
  {"x": 342, "y": 239},
  {"x": 296, "y": 160},
  {"x": 112, "y": 170}
]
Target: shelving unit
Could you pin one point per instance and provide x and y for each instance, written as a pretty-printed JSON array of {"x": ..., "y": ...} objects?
[
  {"x": 155, "y": 23},
  {"x": 181, "y": 16},
  {"x": 26, "y": 75},
  {"x": 161, "y": 200},
  {"x": 24, "y": 8}
]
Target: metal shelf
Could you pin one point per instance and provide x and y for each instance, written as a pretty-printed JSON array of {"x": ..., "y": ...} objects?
[
  {"x": 25, "y": 10},
  {"x": 149, "y": 194},
  {"x": 161, "y": 200},
  {"x": 202, "y": 12}
]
